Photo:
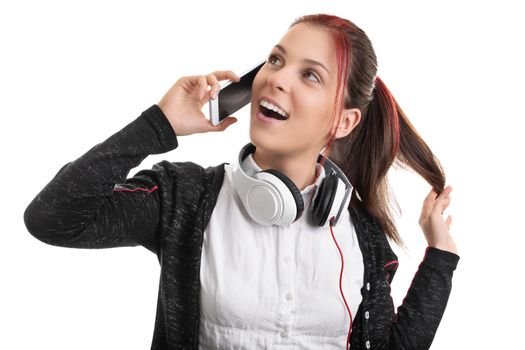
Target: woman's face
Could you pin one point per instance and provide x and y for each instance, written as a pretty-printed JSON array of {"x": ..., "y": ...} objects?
[{"x": 304, "y": 89}]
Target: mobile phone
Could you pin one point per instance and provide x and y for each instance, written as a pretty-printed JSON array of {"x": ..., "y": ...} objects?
[{"x": 233, "y": 96}]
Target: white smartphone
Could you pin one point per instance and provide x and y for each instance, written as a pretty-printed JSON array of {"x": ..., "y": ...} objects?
[{"x": 233, "y": 95}]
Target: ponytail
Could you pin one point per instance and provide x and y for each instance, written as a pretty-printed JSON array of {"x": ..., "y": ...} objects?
[{"x": 384, "y": 136}]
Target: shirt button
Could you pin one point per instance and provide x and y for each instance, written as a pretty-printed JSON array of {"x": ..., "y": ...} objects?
[
  {"x": 289, "y": 297},
  {"x": 367, "y": 315},
  {"x": 284, "y": 334},
  {"x": 367, "y": 344},
  {"x": 367, "y": 285}
]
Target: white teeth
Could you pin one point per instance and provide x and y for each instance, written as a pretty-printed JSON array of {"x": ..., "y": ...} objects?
[{"x": 273, "y": 108}]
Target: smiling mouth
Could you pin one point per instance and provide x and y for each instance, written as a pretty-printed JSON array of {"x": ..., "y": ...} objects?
[{"x": 270, "y": 113}]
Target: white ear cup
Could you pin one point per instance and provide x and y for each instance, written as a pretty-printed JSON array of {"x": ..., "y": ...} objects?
[
  {"x": 272, "y": 203},
  {"x": 266, "y": 198}
]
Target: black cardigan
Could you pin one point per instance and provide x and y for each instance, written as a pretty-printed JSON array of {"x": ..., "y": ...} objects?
[{"x": 90, "y": 204}]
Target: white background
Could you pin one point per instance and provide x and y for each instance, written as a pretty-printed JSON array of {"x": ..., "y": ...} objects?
[{"x": 72, "y": 73}]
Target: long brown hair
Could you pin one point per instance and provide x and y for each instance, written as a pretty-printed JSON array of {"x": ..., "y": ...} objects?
[{"x": 384, "y": 134}]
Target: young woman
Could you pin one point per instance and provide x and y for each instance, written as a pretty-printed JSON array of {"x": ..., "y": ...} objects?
[{"x": 251, "y": 253}]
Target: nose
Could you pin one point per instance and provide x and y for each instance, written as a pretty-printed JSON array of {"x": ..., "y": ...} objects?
[{"x": 279, "y": 80}]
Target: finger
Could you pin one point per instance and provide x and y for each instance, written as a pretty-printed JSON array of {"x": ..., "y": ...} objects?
[
  {"x": 227, "y": 122},
  {"x": 444, "y": 204},
  {"x": 443, "y": 199},
  {"x": 224, "y": 124},
  {"x": 428, "y": 202},
  {"x": 440, "y": 205},
  {"x": 214, "y": 83},
  {"x": 446, "y": 191},
  {"x": 226, "y": 74},
  {"x": 431, "y": 196},
  {"x": 202, "y": 86}
]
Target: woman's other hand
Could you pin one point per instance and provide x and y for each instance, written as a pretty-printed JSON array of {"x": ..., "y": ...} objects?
[
  {"x": 183, "y": 103},
  {"x": 435, "y": 228}
]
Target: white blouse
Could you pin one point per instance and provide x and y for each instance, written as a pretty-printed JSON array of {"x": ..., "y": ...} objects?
[{"x": 268, "y": 287}]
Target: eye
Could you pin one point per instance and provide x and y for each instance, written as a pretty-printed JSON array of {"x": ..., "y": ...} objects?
[
  {"x": 315, "y": 76},
  {"x": 270, "y": 59}
]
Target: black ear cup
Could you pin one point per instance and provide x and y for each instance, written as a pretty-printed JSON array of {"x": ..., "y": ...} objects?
[
  {"x": 324, "y": 199},
  {"x": 293, "y": 189}
]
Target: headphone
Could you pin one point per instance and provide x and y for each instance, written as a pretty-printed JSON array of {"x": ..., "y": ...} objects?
[{"x": 271, "y": 198}]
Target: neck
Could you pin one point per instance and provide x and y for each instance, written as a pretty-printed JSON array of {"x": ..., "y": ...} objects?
[{"x": 300, "y": 168}]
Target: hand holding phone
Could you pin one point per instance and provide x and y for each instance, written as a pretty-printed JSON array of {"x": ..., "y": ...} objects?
[
  {"x": 233, "y": 96},
  {"x": 182, "y": 104}
]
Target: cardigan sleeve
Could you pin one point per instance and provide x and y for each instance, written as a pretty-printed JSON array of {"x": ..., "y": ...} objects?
[
  {"x": 89, "y": 203},
  {"x": 420, "y": 313}
]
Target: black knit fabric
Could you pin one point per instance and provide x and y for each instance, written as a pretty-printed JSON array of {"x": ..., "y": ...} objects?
[{"x": 90, "y": 203}]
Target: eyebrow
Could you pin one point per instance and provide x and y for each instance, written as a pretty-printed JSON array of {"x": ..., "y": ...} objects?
[{"x": 307, "y": 60}]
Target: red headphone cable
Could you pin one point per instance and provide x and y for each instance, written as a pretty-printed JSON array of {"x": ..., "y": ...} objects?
[{"x": 340, "y": 283}]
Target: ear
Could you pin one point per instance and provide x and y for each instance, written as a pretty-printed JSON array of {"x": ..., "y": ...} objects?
[{"x": 349, "y": 120}]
